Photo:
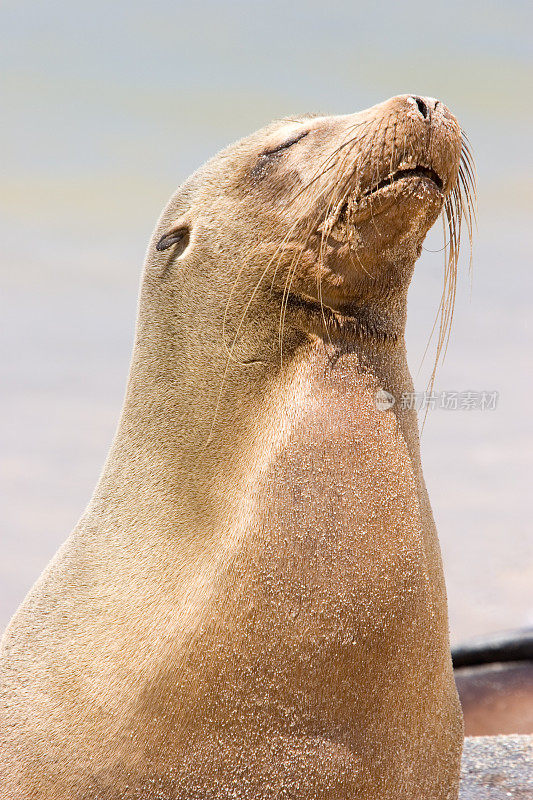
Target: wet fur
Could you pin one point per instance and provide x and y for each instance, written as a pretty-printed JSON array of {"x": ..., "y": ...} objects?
[{"x": 253, "y": 603}]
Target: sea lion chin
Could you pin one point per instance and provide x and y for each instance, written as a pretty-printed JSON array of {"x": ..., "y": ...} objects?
[{"x": 253, "y": 603}]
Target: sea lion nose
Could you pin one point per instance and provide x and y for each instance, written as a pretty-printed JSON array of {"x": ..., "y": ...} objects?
[{"x": 425, "y": 105}]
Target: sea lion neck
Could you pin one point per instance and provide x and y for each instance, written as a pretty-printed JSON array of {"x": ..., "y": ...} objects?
[
  {"x": 191, "y": 413},
  {"x": 381, "y": 320}
]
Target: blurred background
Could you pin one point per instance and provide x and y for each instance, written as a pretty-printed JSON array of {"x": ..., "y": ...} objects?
[{"x": 107, "y": 106}]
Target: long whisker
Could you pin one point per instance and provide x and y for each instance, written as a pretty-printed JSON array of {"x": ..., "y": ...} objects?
[
  {"x": 460, "y": 205},
  {"x": 325, "y": 230},
  {"x": 463, "y": 206},
  {"x": 318, "y": 174},
  {"x": 326, "y": 166}
]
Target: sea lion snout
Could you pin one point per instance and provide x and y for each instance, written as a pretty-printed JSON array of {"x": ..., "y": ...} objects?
[
  {"x": 425, "y": 134},
  {"x": 424, "y": 105}
]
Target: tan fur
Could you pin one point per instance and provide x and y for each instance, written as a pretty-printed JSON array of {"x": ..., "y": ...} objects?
[{"x": 253, "y": 603}]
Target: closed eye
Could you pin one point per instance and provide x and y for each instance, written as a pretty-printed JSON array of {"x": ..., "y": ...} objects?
[{"x": 284, "y": 145}]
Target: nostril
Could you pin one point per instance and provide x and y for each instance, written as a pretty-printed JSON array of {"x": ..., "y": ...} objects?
[{"x": 422, "y": 107}]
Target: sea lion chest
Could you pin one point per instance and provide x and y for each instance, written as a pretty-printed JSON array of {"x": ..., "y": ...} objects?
[{"x": 330, "y": 582}]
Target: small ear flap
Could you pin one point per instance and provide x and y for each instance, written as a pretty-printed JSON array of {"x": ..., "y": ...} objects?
[{"x": 180, "y": 233}]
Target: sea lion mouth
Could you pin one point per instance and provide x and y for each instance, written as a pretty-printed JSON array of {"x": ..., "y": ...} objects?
[
  {"x": 378, "y": 197},
  {"x": 399, "y": 174}
]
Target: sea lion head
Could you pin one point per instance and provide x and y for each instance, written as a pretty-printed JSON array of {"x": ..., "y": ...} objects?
[{"x": 327, "y": 213}]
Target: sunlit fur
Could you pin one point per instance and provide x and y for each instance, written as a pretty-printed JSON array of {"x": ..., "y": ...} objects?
[{"x": 253, "y": 603}]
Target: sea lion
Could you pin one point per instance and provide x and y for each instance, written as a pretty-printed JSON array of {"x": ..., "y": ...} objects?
[
  {"x": 253, "y": 603},
  {"x": 494, "y": 678}
]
